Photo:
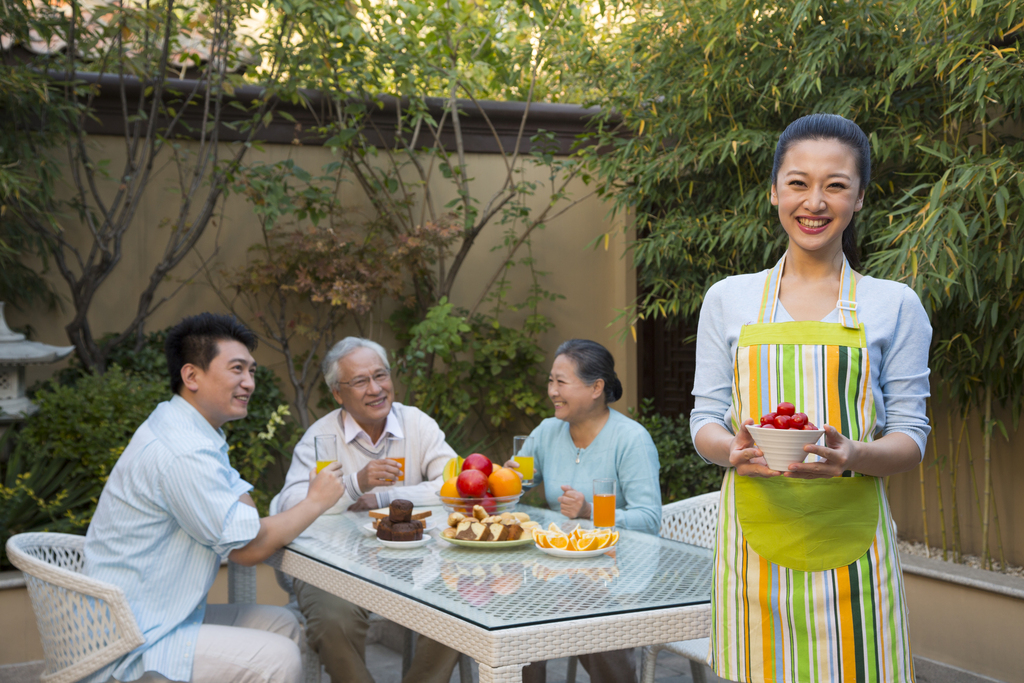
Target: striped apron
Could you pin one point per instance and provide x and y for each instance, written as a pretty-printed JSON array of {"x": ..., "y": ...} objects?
[{"x": 793, "y": 599}]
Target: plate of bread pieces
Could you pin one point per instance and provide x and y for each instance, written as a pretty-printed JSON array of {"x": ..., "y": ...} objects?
[
  {"x": 399, "y": 529},
  {"x": 489, "y": 532}
]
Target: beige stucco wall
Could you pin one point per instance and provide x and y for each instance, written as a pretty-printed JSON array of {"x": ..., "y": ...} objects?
[
  {"x": 595, "y": 282},
  {"x": 971, "y": 629}
]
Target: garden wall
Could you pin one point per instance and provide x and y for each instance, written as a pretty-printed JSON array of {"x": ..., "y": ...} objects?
[{"x": 596, "y": 282}]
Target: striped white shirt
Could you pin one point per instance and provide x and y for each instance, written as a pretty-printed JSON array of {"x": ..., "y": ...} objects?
[{"x": 168, "y": 514}]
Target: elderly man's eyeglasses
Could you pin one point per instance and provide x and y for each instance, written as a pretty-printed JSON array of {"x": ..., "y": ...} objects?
[{"x": 380, "y": 377}]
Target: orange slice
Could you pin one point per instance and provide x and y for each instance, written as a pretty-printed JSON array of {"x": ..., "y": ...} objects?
[
  {"x": 615, "y": 538},
  {"x": 541, "y": 539},
  {"x": 555, "y": 529},
  {"x": 560, "y": 542},
  {"x": 572, "y": 544},
  {"x": 603, "y": 538},
  {"x": 590, "y": 542}
]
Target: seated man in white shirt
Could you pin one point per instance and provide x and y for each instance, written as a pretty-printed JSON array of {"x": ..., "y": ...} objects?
[
  {"x": 173, "y": 507},
  {"x": 372, "y": 430}
]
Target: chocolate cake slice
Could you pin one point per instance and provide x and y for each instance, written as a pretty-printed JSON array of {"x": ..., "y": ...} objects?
[
  {"x": 385, "y": 530},
  {"x": 406, "y": 531},
  {"x": 400, "y": 511}
]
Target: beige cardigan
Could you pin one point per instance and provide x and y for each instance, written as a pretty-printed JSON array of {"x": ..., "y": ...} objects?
[{"x": 423, "y": 447}]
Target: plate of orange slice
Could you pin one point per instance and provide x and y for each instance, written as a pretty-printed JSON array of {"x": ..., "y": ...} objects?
[{"x": 576, "y": 543}]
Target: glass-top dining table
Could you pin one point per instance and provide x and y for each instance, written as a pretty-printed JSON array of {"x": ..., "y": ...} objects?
[{"x": 506, "y": 608}]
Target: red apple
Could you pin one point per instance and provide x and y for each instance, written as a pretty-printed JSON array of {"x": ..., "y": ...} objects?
[
  {"x": 471, "y": 483},
  {"x": 489, "y": 504},
  {"x": 478, "y": 462}
]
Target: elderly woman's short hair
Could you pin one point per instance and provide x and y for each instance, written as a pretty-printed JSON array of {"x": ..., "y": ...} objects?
[{"x": 342, "y": 349}]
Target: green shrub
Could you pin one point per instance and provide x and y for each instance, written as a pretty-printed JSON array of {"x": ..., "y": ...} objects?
[
  {"x": 63, "y": 454},
  {"x": 42, "y": 494},
  {"x": 683, "y": 473},
  {"x": 91, "y": 421},
  {"x": 459, "y": 367}
]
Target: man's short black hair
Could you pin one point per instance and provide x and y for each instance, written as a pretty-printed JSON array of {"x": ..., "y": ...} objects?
[{"x": 194, "y": 340}]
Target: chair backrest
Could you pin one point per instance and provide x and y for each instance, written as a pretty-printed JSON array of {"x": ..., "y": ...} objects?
[
  {"x": 84, "y": 623},
  {"x": 692, "y": 521}
]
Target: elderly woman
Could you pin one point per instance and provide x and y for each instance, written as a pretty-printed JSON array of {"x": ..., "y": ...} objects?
[
  {"x": 587, "y": 440},
  {"x": 372, "y": 430}
]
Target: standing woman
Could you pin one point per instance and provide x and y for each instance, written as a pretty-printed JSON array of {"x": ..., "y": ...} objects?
[
  {"x": 587, "y": 440},
  {"x": 797, "y": 597}
]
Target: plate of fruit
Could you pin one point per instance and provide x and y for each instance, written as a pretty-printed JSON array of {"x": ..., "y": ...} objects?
[
  {"x": 782, "y": 435},
  {"x": 577, "y": 543},
  {"x": 478, "y": 481},
  {"x": 489, "y": 532}
]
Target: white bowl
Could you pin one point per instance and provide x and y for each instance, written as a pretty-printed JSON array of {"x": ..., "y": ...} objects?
[{"x": 782, "y": 447}]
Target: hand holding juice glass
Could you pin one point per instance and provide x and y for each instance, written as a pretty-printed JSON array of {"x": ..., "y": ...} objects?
[
  {"x": 604, "y": 502},
  {"x": 326, "y": 447}
]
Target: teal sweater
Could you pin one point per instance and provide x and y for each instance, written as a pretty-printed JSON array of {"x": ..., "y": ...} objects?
[{"x": 623, "y": 451}]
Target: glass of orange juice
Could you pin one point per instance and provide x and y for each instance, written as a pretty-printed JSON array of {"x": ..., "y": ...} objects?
[
  {"x": 326, "y": 446},
  {"x": 394, "y": 442},
  {"x": 524, "y": 459},
  {"x": 604, "y": 502}
]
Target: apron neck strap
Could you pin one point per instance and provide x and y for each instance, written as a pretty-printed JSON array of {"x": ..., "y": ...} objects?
[{"x": 847, "y": 303}]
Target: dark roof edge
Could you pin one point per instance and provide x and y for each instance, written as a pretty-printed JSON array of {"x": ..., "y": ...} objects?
[{"x": 568, "y": 122}]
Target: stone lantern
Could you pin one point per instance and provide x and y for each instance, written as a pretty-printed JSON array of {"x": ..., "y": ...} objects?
[{"x": 15, "y": 353}]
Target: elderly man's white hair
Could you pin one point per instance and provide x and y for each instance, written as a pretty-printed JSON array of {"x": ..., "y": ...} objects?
[{"x": 342, "y": 349}]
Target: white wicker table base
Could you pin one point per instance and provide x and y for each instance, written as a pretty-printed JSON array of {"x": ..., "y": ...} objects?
[{"x": 501, "y": 653}]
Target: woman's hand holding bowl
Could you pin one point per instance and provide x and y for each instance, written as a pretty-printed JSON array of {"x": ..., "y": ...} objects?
[
  {"x": 839, "y": 453},
  {"x": 746, "y": 457}
]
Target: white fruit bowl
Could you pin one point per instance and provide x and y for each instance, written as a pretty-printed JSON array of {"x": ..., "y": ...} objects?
[{"x": 782, "y": 447}]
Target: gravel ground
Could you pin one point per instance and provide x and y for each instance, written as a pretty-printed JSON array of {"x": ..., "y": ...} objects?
[{"x": 969, "y": 560}]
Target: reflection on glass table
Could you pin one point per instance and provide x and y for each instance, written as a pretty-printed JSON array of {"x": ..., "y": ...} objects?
[{"x": 497, "y": 589}]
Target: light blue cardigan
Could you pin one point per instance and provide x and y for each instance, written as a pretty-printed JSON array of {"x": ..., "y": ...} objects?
[{"x": 623, "y": 450}]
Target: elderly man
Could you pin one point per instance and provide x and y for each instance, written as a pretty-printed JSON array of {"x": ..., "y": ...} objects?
[{"x": 372, "y": 430}]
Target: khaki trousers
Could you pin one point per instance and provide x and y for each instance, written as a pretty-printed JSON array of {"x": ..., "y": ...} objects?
[
  {"x": 617, "y": 666},
  {"x": 336, "y": 629},
  {"x": 248, "y": 644}
]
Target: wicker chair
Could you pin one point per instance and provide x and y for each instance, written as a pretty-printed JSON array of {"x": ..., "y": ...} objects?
[
  {"x": 692, "y": 521},
  {"x": 84, "y": 623}
]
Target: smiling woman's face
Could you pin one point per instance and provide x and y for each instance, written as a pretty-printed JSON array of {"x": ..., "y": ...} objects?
[
  {"x": 573, "y": 400},
  {"x": 817, "y": 191}
]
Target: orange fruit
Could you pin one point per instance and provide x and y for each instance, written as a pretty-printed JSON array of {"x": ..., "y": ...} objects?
[
  {"x": 560, "y": 542},
  {"x": 504, "y": 482},
  {"x": 448, "y": 489},
  {"x": 541, "y": 539},
  {"x": 555, "y": 529},
  {"x": 590, "y": 542}
]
